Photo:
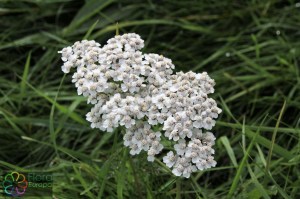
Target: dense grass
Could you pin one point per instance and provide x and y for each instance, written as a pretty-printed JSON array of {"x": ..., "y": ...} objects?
[{"x": 251, "y": 48}]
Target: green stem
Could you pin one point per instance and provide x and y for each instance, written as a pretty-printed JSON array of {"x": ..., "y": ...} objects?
[{"x": 178, "y": 188}]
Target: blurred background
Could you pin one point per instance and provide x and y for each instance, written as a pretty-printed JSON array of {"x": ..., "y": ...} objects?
[{"x": 251, "y": 48}]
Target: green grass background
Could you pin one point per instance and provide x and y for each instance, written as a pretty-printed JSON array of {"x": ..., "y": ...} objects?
[{"x": 251, "y": 48}]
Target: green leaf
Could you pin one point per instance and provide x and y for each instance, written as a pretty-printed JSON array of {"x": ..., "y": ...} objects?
[
  {"x": 89, "y": 9},
  {"x": 229, "y": 150},
  {"x": 25, "y": 74}
]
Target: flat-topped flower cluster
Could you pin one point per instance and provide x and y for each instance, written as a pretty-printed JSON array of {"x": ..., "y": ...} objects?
[{"x": 139, "y": 91}]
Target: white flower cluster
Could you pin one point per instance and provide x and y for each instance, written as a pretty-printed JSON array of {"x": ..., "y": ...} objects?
[{"x": 139, "y": 91}]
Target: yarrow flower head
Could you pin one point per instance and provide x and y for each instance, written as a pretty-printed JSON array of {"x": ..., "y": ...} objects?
[{"x": 138, "y": 91}]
